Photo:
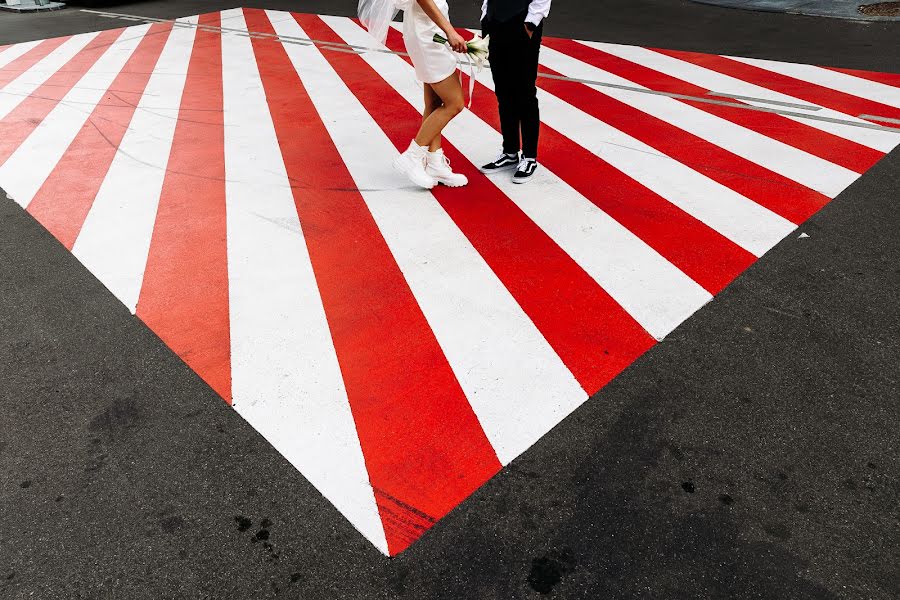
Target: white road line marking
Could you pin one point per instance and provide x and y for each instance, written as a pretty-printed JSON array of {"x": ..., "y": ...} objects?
[
  {"x": 516, "y": 384},
  {"x": 657, "y": 294},
  {"x": 32, "y": 162},
  {"x": 744, "y": 222},
  {"x": 115, "y": 238},
  {"x": 842, "y": 82},
  {"x": 25, "y": 84},
  {"x": 285, "y": 375},
  {"x": 806, "y": 169},
  {"x": 880, "y": 140},
  {"x": 15, "y": 51},
  {"x": 360, "y": 49}
]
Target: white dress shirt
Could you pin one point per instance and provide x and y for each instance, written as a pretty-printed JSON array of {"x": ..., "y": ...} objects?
[{"x": 538, "y": 10}]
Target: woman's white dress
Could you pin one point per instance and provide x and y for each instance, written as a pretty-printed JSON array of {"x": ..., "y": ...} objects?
[{"x": 433, "y": 62}]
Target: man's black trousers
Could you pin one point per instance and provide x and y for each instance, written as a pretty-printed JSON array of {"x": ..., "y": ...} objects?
[{"x": 514, "y": 65}]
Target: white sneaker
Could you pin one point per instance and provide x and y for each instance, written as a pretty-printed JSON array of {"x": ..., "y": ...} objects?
[
  {"x": 438, "y": 166},
  {"x": 412, "y": 164}
]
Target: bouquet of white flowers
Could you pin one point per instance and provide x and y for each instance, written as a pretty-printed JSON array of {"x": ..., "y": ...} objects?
[
  {"x": 478, "y": 52},
  {"x": 478, "y": 48}
]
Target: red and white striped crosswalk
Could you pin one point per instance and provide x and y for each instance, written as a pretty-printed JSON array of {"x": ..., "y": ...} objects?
[{"x": 230, "y": 183}]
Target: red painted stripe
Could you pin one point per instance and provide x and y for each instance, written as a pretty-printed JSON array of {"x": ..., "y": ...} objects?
[
  {"x": 767, "y": 188},
  {"x": 706, "y": 256},
  {"x": 29, "y": 59},
  {"x": 184, "y": 296},
  {"x": 840, "y": 151},
  {"x": 591, "y": 333},
  {"x": 19, "y": 124},
  {"x": 809, "y": 92},
  {"x": 424, "y": 448},
  {"x": 891, "y": 79},
  {"x": 64, "y": 200}
]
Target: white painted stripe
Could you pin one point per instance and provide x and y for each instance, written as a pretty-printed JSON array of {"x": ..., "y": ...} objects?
[
  {"x": 885, "y": 141},
  {"x": 804, "y": 168},
  {"x": 25, "y": 84},
  {"x": 32, "y": 162},
  {"x": 115, "y": 239},
  {"x": 15, "y": 51},
  {"x": 652, "y": 290},
  {"x": 516, "y": 384},
  {"x": 855, "y": 86},
  {"x": 744, "y": 222},
  {"x": 285, "y": 375}
]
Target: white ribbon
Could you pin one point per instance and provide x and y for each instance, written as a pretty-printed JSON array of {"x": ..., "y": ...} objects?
[
  {"x": 471, "y": 78},
  {"x": 476, "y": 57}
]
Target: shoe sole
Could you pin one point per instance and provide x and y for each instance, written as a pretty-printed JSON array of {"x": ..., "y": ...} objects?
[
  {"x": 405, "y": 173},
  {"x": 521, "y": 180},
  {"x": 453, "y": 185},
  {"x": 500, "y": 170},
  {"x": 448, "y": 183}
]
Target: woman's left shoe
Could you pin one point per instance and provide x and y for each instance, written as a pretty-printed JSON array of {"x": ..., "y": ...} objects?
[{"x": 438, "y": 166}]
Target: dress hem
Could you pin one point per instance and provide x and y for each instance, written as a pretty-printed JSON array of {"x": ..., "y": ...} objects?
[{"x": 439, "y": 80}]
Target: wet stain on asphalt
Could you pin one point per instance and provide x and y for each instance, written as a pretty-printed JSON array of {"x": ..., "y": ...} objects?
[
  {"x": 676, "y": 452},
  {"x": 545, "y": 574},
  {"x": 274, "y": 555},
  {"x": 777, "y": 529},
  {"x": 261, "y": 535},
  {"x": 121, "y": 415},
  {"x": 25, "y": 484},
  {"x": 171, "y": 524},
  {"x": 243, "y": 523},
  {"x": 96, "y": 463}
]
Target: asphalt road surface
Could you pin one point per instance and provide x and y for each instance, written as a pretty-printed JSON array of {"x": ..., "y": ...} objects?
[{"x": 752, "y": 454}]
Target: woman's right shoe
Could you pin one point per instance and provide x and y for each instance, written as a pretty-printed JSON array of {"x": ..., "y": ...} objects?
[
  {"x": 438, "y": 166},
  {"x": 412, "y": 164}
]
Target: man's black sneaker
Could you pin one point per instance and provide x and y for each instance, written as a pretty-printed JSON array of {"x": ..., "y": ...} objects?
[
  {"x": 504, "y": 162},
  {"x": 525, "y": 170}
]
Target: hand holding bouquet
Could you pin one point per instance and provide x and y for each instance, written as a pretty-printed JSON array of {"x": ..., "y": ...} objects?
[{"x": 477, "y": 49}]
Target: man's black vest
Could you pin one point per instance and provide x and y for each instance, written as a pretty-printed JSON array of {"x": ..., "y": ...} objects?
[{"x": 501, "y": 11}]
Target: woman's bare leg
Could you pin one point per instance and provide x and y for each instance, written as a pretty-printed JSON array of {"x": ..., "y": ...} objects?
[
  {"x": 432, "y": 103},
  {"x": 451, "y": 94}
]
